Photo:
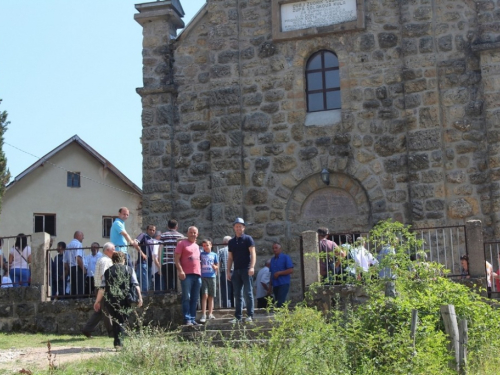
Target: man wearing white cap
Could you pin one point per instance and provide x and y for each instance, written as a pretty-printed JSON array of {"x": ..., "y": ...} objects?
[{"x": 242, "y": 252}]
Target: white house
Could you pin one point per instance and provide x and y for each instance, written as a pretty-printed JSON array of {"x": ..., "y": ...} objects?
[{"x": 71, "y": 188}]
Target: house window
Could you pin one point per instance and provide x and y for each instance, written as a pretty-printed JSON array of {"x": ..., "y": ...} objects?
[
  {"x": 107, "y": 221},
  {"x": 73, "y": 179},
  {"x": 323, "y": 82},
  {"x": 44, "y": 223}
]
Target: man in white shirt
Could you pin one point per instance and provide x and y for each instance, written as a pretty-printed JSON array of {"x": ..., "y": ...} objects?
[
  {"x": 90, "y": 262},
  {"x": 74, "y": 264},
  {"x": 363, "y": 258},
  {"x": 101, "y": 266},
  {"x": 264, "y": 289}
]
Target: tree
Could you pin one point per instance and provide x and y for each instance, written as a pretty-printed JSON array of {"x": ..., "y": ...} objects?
[{"x": 4, "y": 171}]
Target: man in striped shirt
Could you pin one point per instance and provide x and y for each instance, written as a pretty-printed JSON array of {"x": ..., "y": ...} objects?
[
  {"x": 168, "y": 270},
  {"x": 101, "y": 266}
]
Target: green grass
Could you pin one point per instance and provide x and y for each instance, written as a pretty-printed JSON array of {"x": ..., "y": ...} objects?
[{"x": 26, "y": 340}]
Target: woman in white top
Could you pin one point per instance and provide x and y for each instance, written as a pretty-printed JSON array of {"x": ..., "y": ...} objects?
[{"x": 20, "y": 259}]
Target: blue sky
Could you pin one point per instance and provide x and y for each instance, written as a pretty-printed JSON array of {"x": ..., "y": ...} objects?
[{"x": 71, "y": 67}]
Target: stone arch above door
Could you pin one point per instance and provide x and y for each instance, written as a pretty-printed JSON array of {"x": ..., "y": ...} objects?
[{"x": 342, "y": 206}]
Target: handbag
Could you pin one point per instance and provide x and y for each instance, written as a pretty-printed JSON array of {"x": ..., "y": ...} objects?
[{"x": 132, "y": 298}]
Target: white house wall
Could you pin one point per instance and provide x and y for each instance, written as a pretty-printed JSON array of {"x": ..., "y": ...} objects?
[{"x": 45, "y": 191}]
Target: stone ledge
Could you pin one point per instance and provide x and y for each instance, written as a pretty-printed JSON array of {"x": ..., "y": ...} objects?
[
  {"x": 324, "y": 118},
  {"x": 486, "y": 47},
  {"x": 144, "y": 91}
]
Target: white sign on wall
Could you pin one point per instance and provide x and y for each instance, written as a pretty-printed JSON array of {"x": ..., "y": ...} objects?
[{"x": 316, "y": 13}]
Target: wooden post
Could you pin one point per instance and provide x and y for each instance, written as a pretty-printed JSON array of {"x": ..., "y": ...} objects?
[
  {"x": 451, "y": 327},
  {"x": 414, "y": 319},
  {"x": 463, "y": 339}
]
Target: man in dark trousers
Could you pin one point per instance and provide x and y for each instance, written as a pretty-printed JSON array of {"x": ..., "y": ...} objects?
[
  {"x": 281, "y": 268},
  {"x": 144, "y": 265},
  {"x": 242, "y": 252},
  {"x": 101, "y": 266}
]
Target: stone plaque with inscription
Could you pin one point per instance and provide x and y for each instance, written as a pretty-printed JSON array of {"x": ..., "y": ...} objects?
[
  {"x": 316, "y": 13},
  {"x": 327, "y": 203}
]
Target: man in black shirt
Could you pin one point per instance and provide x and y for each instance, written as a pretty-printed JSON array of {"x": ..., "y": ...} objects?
[{"x": 242, "y": 253}]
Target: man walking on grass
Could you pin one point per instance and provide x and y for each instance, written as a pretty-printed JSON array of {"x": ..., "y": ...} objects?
[{"x": 102, "y": 265}]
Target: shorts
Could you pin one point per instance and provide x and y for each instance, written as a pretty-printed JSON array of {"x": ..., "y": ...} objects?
[{"x": 208, "y": 286}]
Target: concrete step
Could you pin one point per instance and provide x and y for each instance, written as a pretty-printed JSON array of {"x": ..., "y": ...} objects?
[
  {"x": 225, "y": 323},
  {"x": 225, "y": 335},
  {"x": 229, "y": 313},
  {"x": 221, "y": 332},
  {"x": 239, "y": 343}
]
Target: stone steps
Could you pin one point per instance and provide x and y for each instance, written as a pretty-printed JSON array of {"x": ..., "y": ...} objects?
[{"x": 221, "y": 332}]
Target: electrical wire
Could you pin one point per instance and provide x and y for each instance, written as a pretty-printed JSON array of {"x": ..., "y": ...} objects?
[{"x": 81, "y": 176}]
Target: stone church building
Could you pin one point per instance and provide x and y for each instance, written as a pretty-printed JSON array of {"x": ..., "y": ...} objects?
[{"x": 295, "y": 114}]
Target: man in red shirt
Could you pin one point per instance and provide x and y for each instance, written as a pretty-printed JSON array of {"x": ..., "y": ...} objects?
[{"x": 187, "y": 262}]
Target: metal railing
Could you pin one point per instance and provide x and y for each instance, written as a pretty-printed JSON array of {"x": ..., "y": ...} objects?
[
  {"x": 492, "y": 256},
  {"x": 444, "y": 245},
  {"x": 67, "y": 279},
  {"x": 15, "y": 261},
  {"x": 224, "y": 298}
]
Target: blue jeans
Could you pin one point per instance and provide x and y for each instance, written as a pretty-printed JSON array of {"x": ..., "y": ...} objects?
[
  {"x": 144, "y": 275},
  {"x": 191, "y": 286},
  {"x": 19, "y": 276},
  {"x": 280, "y": 293},
  {"x": 242, "y": 282}
]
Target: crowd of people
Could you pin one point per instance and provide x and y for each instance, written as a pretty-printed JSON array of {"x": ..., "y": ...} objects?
[
  {"x": 16, "y": 270},
  {"x": 155, "y": 261},
  {"x": 198, "y": 269}
]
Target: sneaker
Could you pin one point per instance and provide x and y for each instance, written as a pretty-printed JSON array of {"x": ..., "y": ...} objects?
[
  {"x": 248, "y": 319},
  {"x": 195, "y": 323},
  {"x": 203, "y": 318},
  {"x": 189, "y": 323},
  {"x": 235, "y": 321},
  {"x": 88, "y": 334},
  {"x": 211, "y": 316}
]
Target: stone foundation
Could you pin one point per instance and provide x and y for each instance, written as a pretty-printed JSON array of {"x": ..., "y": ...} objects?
[{"x": 21, "y": 310}]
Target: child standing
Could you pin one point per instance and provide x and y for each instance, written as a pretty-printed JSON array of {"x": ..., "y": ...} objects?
[{"x": 209, "y": 266}]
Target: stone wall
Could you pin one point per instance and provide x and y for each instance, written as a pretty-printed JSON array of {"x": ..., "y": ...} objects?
[
  {"x": 22, "y": 310},
  {"x": 227, "y": 134}
]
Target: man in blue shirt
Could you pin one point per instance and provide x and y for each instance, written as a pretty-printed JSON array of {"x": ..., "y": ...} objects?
[
  {"x": 281, "y": 268},
  {"x": 145, "y": 265},
  {"x": 119, "y": 236},
  {"x": 242, "y": 252}
]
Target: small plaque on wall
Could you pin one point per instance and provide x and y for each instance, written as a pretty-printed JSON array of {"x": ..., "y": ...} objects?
[{"x": 299, "y": 19}]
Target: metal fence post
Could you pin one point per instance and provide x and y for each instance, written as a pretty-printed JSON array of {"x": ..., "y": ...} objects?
[{"x": 475, "y": 249}]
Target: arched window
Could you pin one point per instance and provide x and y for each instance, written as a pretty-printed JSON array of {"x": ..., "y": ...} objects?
[{"x": 323, "y": 82}]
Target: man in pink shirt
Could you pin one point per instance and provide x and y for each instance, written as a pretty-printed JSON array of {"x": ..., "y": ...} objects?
[{"x": 187, "y": 262}]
